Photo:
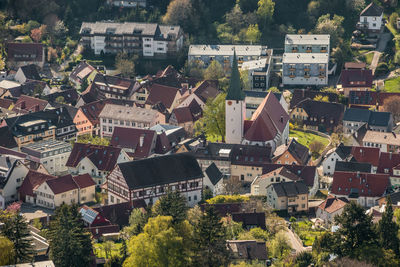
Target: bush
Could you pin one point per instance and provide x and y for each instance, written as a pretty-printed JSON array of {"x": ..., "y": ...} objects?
[
  {"x": 227, "y": 199},
  {"x": 381, "y": 69}
]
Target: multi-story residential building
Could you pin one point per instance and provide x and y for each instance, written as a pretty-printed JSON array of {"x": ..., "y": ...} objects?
[
  {"x": 305, "y": 69},
  {"x": 148, "y": 39},
  {"x": 96, "y": 160},
  {"x": 290, "y": 196},
  {"x": 318, "y": 115},
  {"x": 86, "y": 118},
  {"x": 371, "y": 19},
  {"x": 127, "y": 3},
  {"x": 306, "y": 59},
  {"x": 224, "y": 53},
  {"x": 386, "y": 142},
  {"x": 21, "y": 54},
  {"x": 149, "y": 179},
  {"x": 54, "y": 192},
  {"x": 260, "y": 184},
  {"x": 42, "y": 125},
  {"x": 365, "y": 188},
  {"x": 355, "y": 118},
  {"x": 130, "y": 117},
  {"x": 259, "y": 71},
  {"x": 53, "y": 154}
]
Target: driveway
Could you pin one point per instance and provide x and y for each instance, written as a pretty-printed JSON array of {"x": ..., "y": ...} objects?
[
  {"x": 383, "y": 40},
  {"x": 295, "y": 243}
]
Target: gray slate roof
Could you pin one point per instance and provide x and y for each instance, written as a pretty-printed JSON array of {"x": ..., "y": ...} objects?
[
  {"x": 289, "y": 189},
  {"x": 160, "y": 170},
  {"x": 214, "y": 173}
]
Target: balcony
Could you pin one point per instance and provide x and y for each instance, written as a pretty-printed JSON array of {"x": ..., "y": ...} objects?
[
  {"x": 292, "y": 76},
  {"x": 322, "y": 76},
  {"x": 307, "y": 76},
  {"x": 306, "y": 68},
  {"x": 292, "y": 69},
  {"x": 308, "y": 50},
  {"x": 295, "y": 50},
  {"x": 323, "y": 50},
  {"x": 362, "y": 25}
]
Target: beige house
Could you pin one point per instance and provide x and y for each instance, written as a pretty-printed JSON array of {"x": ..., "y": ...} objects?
[
  {"x": 66, "y": 189},
  {"x": 261, "y": 182},
  {"x": 290, "y": 196}
]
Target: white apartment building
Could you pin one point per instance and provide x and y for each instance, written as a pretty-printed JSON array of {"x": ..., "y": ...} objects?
[
  {"x": 130, "y": 117},
  {"x": 53, "y": 154},
  {"x": 149, "y": 39}
]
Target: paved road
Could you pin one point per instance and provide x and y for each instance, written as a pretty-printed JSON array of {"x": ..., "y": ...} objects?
[{"x": 294, "y": 242}]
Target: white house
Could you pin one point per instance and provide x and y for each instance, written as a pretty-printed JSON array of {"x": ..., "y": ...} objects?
[
  {"x": 95, "y": 160},
  {"x": 260, "y": 183},
  {"x": 331, "y": 207},
  {"x": 336, "y": 154},
  {"x": 213, "y": 179},
  {"x": 11, "y": 181},
  {"x": 371, "y": 18}
]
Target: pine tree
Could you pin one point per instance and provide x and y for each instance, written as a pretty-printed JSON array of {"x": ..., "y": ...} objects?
[
  {"x": 70, "y": 244},
  {"x": 388, "y": 229},
  {"x": 172, "y": 204},
  {"x": 15, "y": 228},
  {"x": 210, "y": 240}
]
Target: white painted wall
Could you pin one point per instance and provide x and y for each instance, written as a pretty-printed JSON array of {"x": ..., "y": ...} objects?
[
  {"x": 374, "y": 23},
  {"x": 235, "y": 116}
]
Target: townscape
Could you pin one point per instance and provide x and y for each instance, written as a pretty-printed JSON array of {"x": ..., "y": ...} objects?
[{"x": 200, "y": 133}]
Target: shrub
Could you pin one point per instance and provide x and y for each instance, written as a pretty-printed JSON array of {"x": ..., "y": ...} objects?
[
  {"x": 227, "y": 199},
  {"x": 381, "y": 69}
]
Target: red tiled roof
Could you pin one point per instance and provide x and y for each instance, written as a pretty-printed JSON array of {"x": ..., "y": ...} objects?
[
  {"x": 269, "y": 118},
  {"x": 355, "y": 65},
  {"x": 332, "y": 204},
  {"x": 32, "y": 180},
  {"x": 366, "y": 155},
  {"x": 356, "y": 78},
  {"x": 103, "y": 157},
  {"x": 162, "y": 144},
  {"x": 372, "y": 185},
  {"x": 130, "y": 138},
  {"x": 83, "y": 180},
  {"x": 6, "y": 103},
  {"x": 62, "y": 184},
  {"x": 35, "y": 49},
  {"x": 306, "y": 173},
  {"x": 161, "y": 93},
  {"x": 93, "y": 110},
  {"x": 190, "y": 113},
  {"x": 206, "y": 90},
  {"x": 26, "y": 104},
  {"x": 388, "y": 161}
]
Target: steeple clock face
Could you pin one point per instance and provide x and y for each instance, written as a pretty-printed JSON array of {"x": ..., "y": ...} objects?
[{"x": 229, "y": 103}]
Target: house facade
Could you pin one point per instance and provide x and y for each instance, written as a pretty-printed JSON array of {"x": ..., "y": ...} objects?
[
  {"x": 306, "y": 59},
  {"x": 151, "y": 178},
  {"x": 224, "y": 54},
  {"x": 331, "y": 207},
  {"x": 386, "y": 142},
  {"x": 260, "y": 184},
  {"x": 148, "y": 39},
  {"x": 21, "y": 54},
  {"x": 53, "y": 154},
  {"x": 11, "y": 181},
  {"x": 338, "y": 154},
  {"x": 130, "y": 117},
  {"x": 371, "y": 18},
  {"x": 290, "y": 196}
]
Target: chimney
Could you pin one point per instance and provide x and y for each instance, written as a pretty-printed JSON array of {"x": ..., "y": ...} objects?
[
  {"x": 303, "y": 93},
  {"x": 36, "y": 108},
  {"x": 8, "y": 162},
  {"x": 390, "y": 155},
  {"x": 23, "y": 105},
  {"x": 141, "y": 140}
]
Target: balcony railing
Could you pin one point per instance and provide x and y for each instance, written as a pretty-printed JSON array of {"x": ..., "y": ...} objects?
[
  {"x": 308, "y": 51},
  {"x": 292, "y": 69},
  {"x": 307, "y": 76},
  {"x": 292, "y": 76},
  {"x": 323, "y": 50},
  {"x": 306, "y": 68}
]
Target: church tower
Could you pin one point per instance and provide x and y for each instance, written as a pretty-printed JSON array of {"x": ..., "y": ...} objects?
[{"x": 235, "y": 107}]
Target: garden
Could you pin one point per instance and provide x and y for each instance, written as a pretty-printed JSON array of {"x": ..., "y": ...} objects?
[
  {"x": 392, "y": 85},
  {"x": 306, "y": 231}
]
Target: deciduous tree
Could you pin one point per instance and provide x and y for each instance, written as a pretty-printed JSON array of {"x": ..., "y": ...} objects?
[
  {"x": 213, "y": 121},
  {"x": 392, "y": 105},
  {"x": 179, "y": 12},
  {"x": 7, "y": 251},
  {"x": 214, "y": 71},
  {"x": 253, "y": 34},
  {"x": 332, "y": 26},
  {"x": 265, "y": 12},
  {"x": 125, "y": 65},
  {"x": 388, "y": 229},
  {"x": 162, "y": 243}
]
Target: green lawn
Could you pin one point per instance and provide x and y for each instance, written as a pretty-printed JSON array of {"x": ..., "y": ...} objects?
[
  {"x": 99, "y": 250},
  {"x": 306, "y": 138},
  {"x": 304, "y": 230},
  {"x": 392, "y": 85},
  {"x": 368, "y": 58}
]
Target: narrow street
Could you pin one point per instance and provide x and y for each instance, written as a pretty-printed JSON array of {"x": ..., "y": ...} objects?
[{"x": 295, "y": 243}]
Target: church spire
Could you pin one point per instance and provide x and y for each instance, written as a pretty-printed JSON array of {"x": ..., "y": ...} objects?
[{"x": 235, "y": 89}]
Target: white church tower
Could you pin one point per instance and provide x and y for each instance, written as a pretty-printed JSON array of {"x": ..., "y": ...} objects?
[{"x": 235, "y": 107}]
